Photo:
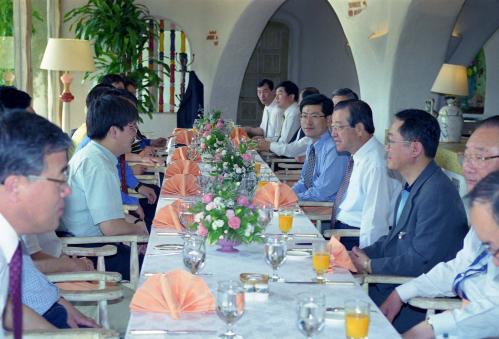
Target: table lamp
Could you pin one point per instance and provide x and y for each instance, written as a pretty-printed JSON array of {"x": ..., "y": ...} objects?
[
  {"x": 451, "y": 81},
  {"x": 67, "y": 55},
  {"x": 7, "y": 59}
]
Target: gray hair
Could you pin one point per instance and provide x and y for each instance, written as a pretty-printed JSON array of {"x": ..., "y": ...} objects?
[{"x": 25, "y": 140}]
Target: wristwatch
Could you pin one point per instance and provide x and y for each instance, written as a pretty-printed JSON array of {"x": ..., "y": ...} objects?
[{"x": 138, "y": 186}]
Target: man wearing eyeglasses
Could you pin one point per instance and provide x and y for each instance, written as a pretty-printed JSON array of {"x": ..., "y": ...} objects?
[
  {"x": 481, "y": 158},
  {"x": 33, "y": 158},
  {"x": 367, "y": 194},
  {"x": 429, "y": 222},
  {"x": 324, "y": 168}
]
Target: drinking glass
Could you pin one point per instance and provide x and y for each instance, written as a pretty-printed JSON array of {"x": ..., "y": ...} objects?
[
  {"x": 320, "y": 259},
  {"x": 286, "y": 220},
  {"x": 311, "y": 313},
  {"x": 191, "y": 152},
  {"x": 194, "y": 253},
  {"x": 258, "y": 167},
  {"x": 357, "y": 319},
  {"x": 265, "y": 215},
  {"x": 276, "y": 249},
  {"x": 264, "y": 179},
  {"x": 230, "y": 305},
  {"x": 185, "y": 216}
]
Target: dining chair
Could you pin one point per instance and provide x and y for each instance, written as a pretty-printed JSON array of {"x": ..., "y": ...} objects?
[{"x": 70, "y": 333}]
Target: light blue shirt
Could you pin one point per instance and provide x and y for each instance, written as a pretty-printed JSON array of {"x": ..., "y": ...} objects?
[
  {"x": 95, "y": 193},
  {"x": 329, "y": 171},
  {"x": 37, "y": 292}
]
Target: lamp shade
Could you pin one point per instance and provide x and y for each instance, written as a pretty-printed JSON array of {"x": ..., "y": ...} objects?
[
  {"x": 451, "y": 80},
  {"x": 68, "y": 55}
]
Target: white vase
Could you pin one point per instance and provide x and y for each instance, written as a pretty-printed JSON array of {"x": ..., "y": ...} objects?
[{"x": 450, "y": 119}]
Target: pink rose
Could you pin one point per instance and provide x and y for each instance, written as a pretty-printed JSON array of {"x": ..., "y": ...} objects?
[
  {"x": 202, "y": 231},
  {"x": 234, "y": 223},
  {"x": 203, "y": 146},
  {"x": 229, "y": 213},
  {"x": 205, "y": 134},
  {"x": 220, "y": 124},
  {"x": 207, "y": 127},
  {"x": 246, "y": 157},
  {"x": 207, "y": 198},
  {"x": 242, "y": 200},
  {"x": 218, "y": 157}
]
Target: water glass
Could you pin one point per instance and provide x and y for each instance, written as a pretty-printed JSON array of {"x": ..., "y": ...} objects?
[
  {"x": 194, "y": 253},
  {"x": 230, "y": 305},
  {"x": 311, "y": 313},
  {"x": 357, "y": 319},
  {"x": 320, "y": 259},
  {"x": 276, "y": 249},
  {"x": 265, "y": 215}
]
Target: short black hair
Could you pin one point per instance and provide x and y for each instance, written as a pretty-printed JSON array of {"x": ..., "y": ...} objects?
[
  {"x": 107, "y": 111},
  {"x": 491, "y": 122},
  {"x": 318, "y": 99},
  {"x": 360, "y": 112},
  {"x": 305, "y": 92},
  {"x": 419, "y": 125},
  {"x": 267, "y": 82},
  {"x": 345, "y": 92},
  {"x": 11, "y": 98},
  {"x": 486, "y": 191},
  {"x": 129, "y": 81},
  {"x": 25, "y": 140},
  {"x": 290, "y": 88},
  {"x": 109, "y": 79},
  {"x": 96, "y": 92}
]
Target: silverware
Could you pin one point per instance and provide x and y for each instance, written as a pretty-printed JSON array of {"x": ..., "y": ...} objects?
[
  {"x": 341, "y": 309},
  {"x": 304, "y": 235},
  {"x": 339, "y": 283},
  {"x": 149, "y": 274},
  {"x": 186, "y": 331},
  {"x": 170, "y": 234}
]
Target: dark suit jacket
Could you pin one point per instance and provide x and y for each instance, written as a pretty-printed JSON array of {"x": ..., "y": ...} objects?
[
  {"x": 434, "y": 222},
  {"x": 192, "y": 102}
]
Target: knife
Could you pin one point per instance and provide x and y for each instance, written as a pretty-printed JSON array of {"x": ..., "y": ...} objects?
[
  {"x": 187, "y": 331},
  {"x": 304, "y": 235},
  {"x": 340, "y": 283},
  {"x": 161, "y": 254}
]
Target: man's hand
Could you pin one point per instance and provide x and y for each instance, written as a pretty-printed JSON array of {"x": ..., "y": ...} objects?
[
  {"x": 81, "y": 264},
  {"x": 141, "y": 228},
  {"x": 150, "y": 159},
  {"x": 159, "y": 142},
  {"x": 138, "y": 169},
  {"x": 149, "y": 193},
  {"x": 263, "y": 145},
  {"x": 139, "y": 212},
  {"x": 392, "y": 305},
  {"x": 300, "y": 159},
  {"x": 423, "y": 330},
  {"x": 75, "y": 317},
  {"x": 360, "y": 259}
]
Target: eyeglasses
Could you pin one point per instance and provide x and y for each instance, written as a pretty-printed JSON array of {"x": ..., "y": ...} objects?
[
  {"x": 312, "y": 116},
  {"x": 62, "y": 183},
  {"x": 339, "y": 127},
  {"x": 475, "y": 159},
  {"x": 492, "y": 252},
  {"x": 390, "y": 143}
]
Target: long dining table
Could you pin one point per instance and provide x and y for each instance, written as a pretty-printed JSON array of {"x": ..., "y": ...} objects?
[{"x": 270, "y": 316}]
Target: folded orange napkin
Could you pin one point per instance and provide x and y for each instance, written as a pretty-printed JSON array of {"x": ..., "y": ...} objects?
[
  {"x": 167, "y": 217},
  {"x": 175, "y": 292},
  {"x": 339, "y": 255},
  {"x": 180, "y": 184},
  {"x": 183, "y": 136},
  {"x": 181, "y": 154},
  {"x": 237, "y": 134},
  {"x": 182, "y": 167},
  {"x": 277, "y": 194}
]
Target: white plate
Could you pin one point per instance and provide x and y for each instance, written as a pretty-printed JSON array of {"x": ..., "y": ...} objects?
[{"x": 297, "y": 254}]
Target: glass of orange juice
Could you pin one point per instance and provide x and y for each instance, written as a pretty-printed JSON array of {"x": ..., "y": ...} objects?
[
  {"x": 357, "y": 319},
  {"x": 285, "y": 220},
  {"x": 258, "y": 167},
  {"x": 264, "y": 179},
  {"x": 320, "y": 259}
]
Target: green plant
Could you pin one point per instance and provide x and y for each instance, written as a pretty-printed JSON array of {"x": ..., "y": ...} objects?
[
  {"x": 120, "y": 31},
  {"x": 7, "y": 18}
]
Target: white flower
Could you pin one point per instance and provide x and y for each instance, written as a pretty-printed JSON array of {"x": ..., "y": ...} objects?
[
  {"x": 198, "y": 217},
  {"x": 208, "y": 137},
  {"x": 210, "y": 206},
  {"x": 238, "y": 170},
  {"x": 226, "y": 231},
  {"x": 224, "y": 152},
  {"x": 208, "y": 218},
  {"x": 221, "y": 237},
  {"x": 217, "y": 224},
  {"x": 249, "y": 230}
]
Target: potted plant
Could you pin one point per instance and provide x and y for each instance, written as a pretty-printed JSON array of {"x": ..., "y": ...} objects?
[{"x": 120, "y": 31}]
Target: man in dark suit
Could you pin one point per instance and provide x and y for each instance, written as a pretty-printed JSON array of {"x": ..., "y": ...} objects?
[{"x": 429, "y": 222}]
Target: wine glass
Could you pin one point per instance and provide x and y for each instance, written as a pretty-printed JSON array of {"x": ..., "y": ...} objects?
[
  {"x": 230, "y": 305},
  {"x": 276, "y": 249},
  {"x": 286, "y": 219},
  {"x": 320, "y": 259},
  {"x": 191, "y": 152},
  {"x": 265, "y": 215},
  {"x": 194, "y": 253},
  {"x": 311, "y": 313}
]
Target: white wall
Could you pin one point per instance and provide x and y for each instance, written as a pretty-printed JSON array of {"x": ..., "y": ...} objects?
[{"x": 492, "y": 76}]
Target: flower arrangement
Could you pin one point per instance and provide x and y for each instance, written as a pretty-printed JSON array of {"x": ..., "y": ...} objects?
[
  {"x": 231, "y": 164},
  {"x": 226, "y": 215}
]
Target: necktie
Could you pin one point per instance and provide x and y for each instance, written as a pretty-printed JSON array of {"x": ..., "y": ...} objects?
[
  {"x": 342, "y": 190},
  {"x": 403, "y": 200},
  {"x": 309, "y": 171},
  {"x": 474, "y": 269},
  {"x": 15, "y": 271},
  {"x": 124, "y": 186}
]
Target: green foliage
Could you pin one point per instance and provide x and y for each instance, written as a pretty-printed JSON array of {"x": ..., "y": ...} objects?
[
  {"x": 120, "y": 31},
  {"x": 7, "y": 18}
]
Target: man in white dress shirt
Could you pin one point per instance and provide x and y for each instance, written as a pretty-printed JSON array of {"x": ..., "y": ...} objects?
[
  {"x": 33, "y": 154},
  {"x": 369, "y": 199},
  {"x": 480, "y": 159},
  {"x": 272, "y": 117}
]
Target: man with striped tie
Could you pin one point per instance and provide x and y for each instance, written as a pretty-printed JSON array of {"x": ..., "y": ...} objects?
[{"x": 481, "y": 158}]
